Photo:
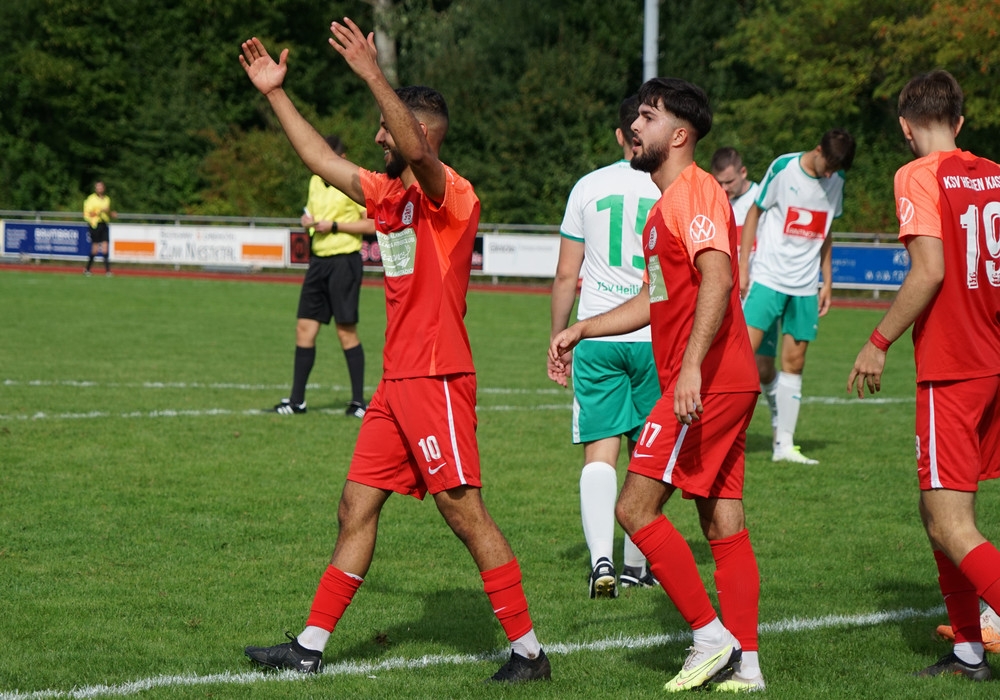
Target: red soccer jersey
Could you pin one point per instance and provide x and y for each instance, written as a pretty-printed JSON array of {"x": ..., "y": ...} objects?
[
  {"x": 955, "y": 196},
  {"x": 426, "y": 252},
  {"x": 694, "y": 215}
]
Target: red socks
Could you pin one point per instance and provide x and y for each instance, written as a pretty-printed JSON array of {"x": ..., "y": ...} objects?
[
  {"x": 982, "y": 567},
  {"x": 336, "y": 589},
  {"x": 737, "y": 581},
  {"x": 960, "y": 599},
  {"x": 672, "y": 563},
  {"x": 503, "y": 586}
]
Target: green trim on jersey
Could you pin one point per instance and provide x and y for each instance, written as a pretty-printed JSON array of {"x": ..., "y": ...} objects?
[{"x": 779, "y": 164}]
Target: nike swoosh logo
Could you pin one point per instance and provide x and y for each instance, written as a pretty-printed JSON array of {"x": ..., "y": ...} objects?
[
  {"x": 434, "y": 470},
  {"x": 640, "y": 454}
]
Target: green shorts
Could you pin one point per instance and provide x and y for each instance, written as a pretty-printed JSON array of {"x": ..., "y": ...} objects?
[
  {"x": 615, "y": 386},
  {"x": 769, "y": 345},
  {"x": 799, "y": 316}
]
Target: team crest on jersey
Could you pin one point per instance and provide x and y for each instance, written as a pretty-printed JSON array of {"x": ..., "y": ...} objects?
[
  {"x": 408, "y": 214},
  {"x": 652, "y": 238},
  {"x": 904, "y": 210},
  {"x": 805, "y": 223},
  {"x": 702, "y": 229}
]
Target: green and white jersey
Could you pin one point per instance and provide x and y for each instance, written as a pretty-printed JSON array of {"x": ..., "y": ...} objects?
[
  {"x": 607, "y": 211},
  {"x": 798, "y": 211},
  {"x": 741, "y": 205}
]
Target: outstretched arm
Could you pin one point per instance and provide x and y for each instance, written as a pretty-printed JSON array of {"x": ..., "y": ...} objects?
[
  {"x": 409, "y": 135},
  {"x": 918, "y": 289},
  {"x": 268, "y": 76}
]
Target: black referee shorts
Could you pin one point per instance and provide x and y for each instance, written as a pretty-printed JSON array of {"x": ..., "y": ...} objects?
[
  {"x": 99, "y": 233},
  {"x": 331, "y": 289}
]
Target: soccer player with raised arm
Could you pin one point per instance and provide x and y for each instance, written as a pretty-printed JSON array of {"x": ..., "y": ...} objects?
[
  {"x": 695, "y": 437},
  {"x": 418, "y": 434},
  {"x": 948, "y": 204}
]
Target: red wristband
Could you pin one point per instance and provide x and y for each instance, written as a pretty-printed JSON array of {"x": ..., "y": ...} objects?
[{"x": 879, "y": 341}]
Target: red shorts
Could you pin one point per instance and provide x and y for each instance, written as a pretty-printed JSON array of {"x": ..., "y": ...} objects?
[
  {"x": 419, "y": 435},
  {"x": 704, "y": 459},
  {"x": 958, "y": 433}
]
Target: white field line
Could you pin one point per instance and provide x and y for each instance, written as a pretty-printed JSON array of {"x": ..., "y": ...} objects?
[
  {"x": 208, "y": 412},
  {"x": 352, "y": 668}
]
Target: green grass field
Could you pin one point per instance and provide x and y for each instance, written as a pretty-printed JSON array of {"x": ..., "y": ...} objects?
[{"x": 153, "y": 520}]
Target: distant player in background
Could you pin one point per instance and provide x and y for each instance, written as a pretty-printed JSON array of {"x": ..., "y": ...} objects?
[
  {"x": 331, "y": 288},
  {"x": 800, "y": 196},
  {"x": 419, "y": 432},
  {"x": 730, "y": 172},
  {"x": 948, "y": 204},
  {"x": 614, "y": 378},
  {"x": 98, "y": 213},
  {"x": 694, "y": 438}
]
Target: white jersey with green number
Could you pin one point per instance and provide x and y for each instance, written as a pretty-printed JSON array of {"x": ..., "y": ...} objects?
[
  {"x": 798, "y": 211},
  {"x": 606, "y": 212}
]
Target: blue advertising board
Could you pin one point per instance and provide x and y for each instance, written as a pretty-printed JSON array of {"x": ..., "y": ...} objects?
[
  {"x": 861, "y": 266},
  {"x": 45, "y": 240}
]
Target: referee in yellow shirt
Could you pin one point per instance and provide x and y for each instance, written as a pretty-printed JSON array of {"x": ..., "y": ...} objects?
[
  {"x": 97, "y": 212},
  {"x": 331, "y": 288}
]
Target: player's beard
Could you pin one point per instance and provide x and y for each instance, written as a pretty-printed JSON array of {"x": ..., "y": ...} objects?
[
  {"x": 651, "y": 158},
  {"x": 396, "y": 164}
]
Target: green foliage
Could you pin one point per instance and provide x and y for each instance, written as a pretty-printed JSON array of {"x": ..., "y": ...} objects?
[{"x": 150, "y": 97}]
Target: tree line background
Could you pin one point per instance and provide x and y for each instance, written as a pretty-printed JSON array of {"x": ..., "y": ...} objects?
[{"x": 150, "y": 97}]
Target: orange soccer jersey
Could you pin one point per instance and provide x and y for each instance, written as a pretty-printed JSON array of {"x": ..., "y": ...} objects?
[
  {"x": 955, "y": 196},
  {"x": 694, "y": 215},
  {"x": 426, "y": 251}
]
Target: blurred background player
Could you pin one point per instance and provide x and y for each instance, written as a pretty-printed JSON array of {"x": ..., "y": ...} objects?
[
  {"x": 800, "y": 196},
  {"x": 948, "y": 203},
  {"x": 695, "y": 437},
  {"x": 418, "y": 435},
  {"x": 730, "y": 172},
  {"x": 614, "y": 378},
  {"x": 331, "y": 288},
  {"x": 97, "y": 212}
]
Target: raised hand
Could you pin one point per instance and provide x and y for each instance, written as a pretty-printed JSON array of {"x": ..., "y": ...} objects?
[
  {"x": 264, "y": 73},
  {"x": 358, "y": 50}
]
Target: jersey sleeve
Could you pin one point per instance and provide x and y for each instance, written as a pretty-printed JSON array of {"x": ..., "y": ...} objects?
[
  {"x": 701, "y": 219},
  {"x": 572, "y": 223},
  {"x": 917, "y": 201},
  {"x": 373, "y": 185}
]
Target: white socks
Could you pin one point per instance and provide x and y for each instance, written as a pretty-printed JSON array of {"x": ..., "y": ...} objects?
[
  {"x": 771, "y": 395},
  {"x": 527, "y": 645},
  {"x": 634, "y": 559},
  {"x": 314, "y": 638},
  {"x": 598, "y": 491},
  {"x": 788, "y": 399}
]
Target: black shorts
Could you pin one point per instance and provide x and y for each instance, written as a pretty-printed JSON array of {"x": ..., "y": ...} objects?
[
  {"x": 331, "y": 289},
  {"x": 99, "y": 234}
]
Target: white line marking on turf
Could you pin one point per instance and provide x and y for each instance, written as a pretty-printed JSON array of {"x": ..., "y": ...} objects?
[
  {"x": 354, "y": 668},
  {"x": 87, "y": 384}
]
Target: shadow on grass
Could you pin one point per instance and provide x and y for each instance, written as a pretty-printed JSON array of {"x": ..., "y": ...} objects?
[
  {"x": 919, "y": 633},
  {"x": 458, "y": 620}
]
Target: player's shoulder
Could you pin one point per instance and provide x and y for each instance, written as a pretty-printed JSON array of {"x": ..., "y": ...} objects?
[{"x": 781, "y": 163}]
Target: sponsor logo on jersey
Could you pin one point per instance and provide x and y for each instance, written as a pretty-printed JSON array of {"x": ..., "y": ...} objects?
[
  {"x": 408, "y": 214},
  {"x": 904, "y": 210},
  {"x": 805, "y": 223},
  {"x": 702, "y": 229},
  {"x": 399, "y": 251},
  {"x": 657, "y": 285},
  {"x": 652, "y": 238}
]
